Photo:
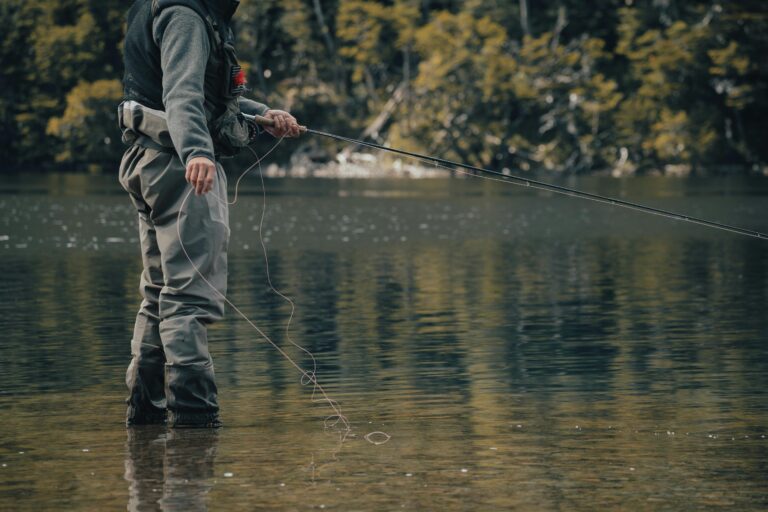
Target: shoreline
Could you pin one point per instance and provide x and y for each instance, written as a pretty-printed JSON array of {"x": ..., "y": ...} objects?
[{"x": 368, "y": 166}]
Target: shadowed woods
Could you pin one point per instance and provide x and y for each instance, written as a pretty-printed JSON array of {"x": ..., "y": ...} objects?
[{"x": 628, "y": 87}]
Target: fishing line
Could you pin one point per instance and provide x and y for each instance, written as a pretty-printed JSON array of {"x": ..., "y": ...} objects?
[
  {"x": 337, "y": 419},
  {"x": 310, "y": 376},
  {"x": 549, "y": 187}
]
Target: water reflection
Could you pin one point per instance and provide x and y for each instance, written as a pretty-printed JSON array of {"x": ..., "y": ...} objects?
[
  {"x": 169, "y": 470},
  {"x": 565, "y": 358}
]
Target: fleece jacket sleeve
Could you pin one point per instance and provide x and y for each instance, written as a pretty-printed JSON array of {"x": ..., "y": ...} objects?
[
  {"x": 184, "y": 50},
  {"x": 251, "y": 107}
]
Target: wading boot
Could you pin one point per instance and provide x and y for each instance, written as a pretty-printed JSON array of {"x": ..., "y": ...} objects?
[
  {"x": 194, "y": 420},
  {"x": 136, "y": 416}
]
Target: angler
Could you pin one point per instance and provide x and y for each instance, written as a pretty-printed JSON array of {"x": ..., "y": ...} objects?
[{"x": 182, "y": 113}]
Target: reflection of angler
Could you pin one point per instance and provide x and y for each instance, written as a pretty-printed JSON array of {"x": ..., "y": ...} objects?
[
  {"x": 169, "y": 470},
  {"x": 526, "y": 182}
]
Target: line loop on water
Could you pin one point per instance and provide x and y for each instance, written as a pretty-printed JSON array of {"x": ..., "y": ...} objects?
[{"x": 377, "y": 437}]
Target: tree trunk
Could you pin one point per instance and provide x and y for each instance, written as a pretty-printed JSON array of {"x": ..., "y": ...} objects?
[
  {"x": 560, "y": 24},
  {"x": 329, "y": 43},
  {"x": 373, "y": 129},
  {"x": 524, "y": 17},
  {"x": 407, "y": 85}
]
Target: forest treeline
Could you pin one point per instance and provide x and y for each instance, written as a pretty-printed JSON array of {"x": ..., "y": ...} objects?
[{"x": 569, "y": 86}]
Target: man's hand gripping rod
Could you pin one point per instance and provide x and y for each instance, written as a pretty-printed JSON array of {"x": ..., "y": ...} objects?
[{"x": 265, "y": 121}]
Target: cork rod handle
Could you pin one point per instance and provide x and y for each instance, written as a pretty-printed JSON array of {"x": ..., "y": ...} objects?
[{"x": 263, "y": 121}]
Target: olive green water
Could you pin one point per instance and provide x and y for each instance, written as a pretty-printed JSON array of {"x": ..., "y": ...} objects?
[{"x": 523, "y": 351}]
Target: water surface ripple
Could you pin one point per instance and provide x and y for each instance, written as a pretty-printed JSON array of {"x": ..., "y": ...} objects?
[{"x": 523, "y": 351}]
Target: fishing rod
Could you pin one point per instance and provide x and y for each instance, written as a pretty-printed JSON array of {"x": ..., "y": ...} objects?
[{"x": 527, "y": 182}]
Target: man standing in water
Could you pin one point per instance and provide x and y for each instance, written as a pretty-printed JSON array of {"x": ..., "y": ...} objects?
[{"x": 181, "y": 112}]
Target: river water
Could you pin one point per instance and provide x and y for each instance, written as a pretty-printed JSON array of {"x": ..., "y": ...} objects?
[{"x": 523, "y": 351}]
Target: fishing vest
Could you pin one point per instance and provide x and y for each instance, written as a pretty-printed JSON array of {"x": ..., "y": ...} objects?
[{"x": 142, "y": 81}]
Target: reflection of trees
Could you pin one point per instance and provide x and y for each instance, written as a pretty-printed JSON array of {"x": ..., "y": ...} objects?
[
  {"x": 592, "y": 315},
  {"x": 320, "y": 276},
  {"x": 389, "y": 301},
  {"x": 451, "y": 344},
  {"x": 66, "y": 314}
]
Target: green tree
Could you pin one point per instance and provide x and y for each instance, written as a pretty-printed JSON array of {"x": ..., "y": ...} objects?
[
  {"x": 63, "y": 43},
  {"x": 88, "y": 127},
  {"x": 553, "y": 85},
  {"x": 688, "y": 88},
  {"x": 490, "y": 101},
  {"x": 14, "y": 86},
  {"x": 739, "y": 77},
  {"x": 653, "y": 122}
]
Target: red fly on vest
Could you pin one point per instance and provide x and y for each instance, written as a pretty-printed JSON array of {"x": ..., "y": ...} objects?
[{"x": 239, "y": 81}]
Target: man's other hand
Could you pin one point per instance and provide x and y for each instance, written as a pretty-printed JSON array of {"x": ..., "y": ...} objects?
[
  {"x": 201, "y": 172},
  {"x": 285, "y": 124}
]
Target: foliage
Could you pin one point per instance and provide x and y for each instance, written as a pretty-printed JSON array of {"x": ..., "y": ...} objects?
[
  {"x": 477, "y": 92},
  {"x": 88, "y": 127},
  {"x": 653, "y": 123},
  {"x": 636, "y": 86},
  {"x": 52, "y": 47}
]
